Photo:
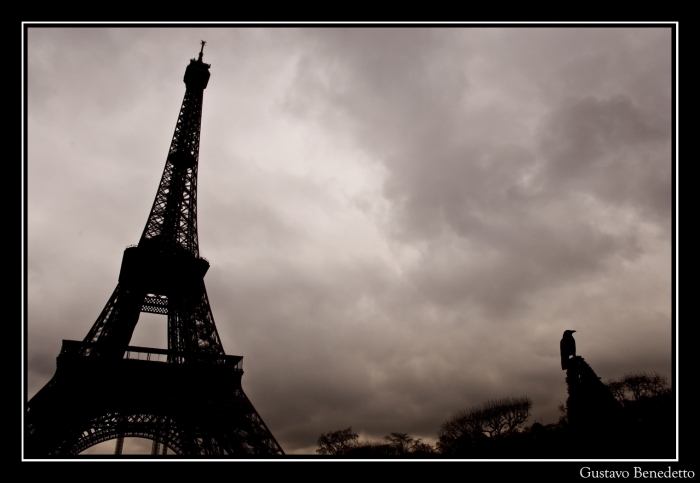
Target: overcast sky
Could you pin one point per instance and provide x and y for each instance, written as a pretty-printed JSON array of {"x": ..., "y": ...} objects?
[{"x": 401, "y": 222}]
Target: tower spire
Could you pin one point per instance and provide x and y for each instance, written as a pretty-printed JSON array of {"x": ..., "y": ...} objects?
[{"x": 201, "y": 51}]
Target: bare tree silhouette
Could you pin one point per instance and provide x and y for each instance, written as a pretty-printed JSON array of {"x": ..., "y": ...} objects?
[
  {"x": 337, "y": 442},
  {"x": 494, "y": 418}
]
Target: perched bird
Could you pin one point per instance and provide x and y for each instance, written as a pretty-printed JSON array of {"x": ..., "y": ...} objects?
[{"x": 567, "y": 347}]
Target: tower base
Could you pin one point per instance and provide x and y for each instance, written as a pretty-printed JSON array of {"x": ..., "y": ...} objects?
[{"x": 194, "y": 409}]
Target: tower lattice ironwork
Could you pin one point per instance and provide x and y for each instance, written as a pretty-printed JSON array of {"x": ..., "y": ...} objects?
[{"x": 187, "y": 398}]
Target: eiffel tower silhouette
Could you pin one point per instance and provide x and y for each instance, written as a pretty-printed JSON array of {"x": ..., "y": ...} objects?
[{"x": 188, "y": 398}]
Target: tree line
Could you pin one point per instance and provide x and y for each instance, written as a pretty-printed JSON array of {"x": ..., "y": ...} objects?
[{"x": 639, "y": 422}]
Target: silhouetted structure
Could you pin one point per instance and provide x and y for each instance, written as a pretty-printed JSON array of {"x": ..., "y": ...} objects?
[
  {"x": 567, "y": 347},
  {"x": 187, "y": 398},
  {"x": 596, "y": 421},
  {"x": 590, "y": 401},
  {"x": 602, "y": 422}
]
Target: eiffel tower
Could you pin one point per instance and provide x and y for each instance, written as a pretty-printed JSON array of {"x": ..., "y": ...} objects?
[{"x": 188, "y": 398}]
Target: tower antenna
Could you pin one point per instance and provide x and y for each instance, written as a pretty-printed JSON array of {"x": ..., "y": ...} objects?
[{"x": 201, "y": 51}]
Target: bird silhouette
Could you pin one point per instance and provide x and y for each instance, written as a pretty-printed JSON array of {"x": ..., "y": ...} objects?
[{"x": 567, "y": 347}]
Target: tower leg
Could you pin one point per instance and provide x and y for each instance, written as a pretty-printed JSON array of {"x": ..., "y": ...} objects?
[{"x": 112, "y": 331}]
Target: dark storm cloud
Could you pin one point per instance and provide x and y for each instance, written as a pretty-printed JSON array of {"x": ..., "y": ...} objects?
[
  {"x": 400, "y": 222},
  {"x": 457, "y": 163},
  {"x": 611, "y": 149}
]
